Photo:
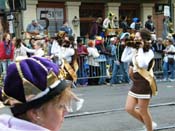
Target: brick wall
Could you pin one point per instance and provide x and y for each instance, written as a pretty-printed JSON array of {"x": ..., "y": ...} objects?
[{"x": 158, "y": 19}]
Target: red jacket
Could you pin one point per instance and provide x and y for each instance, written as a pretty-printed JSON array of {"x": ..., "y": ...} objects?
[{"x": 3, "y": 52}]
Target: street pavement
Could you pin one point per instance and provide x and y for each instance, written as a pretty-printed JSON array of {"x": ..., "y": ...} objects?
[{"x": 103, "y": 109}]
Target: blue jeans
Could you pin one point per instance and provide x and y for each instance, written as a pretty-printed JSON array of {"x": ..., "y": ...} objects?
[
  {"x": 102, "y": 79},
  {"x": 124, "y": 72},
  {"x": 168, "y": 67},
  {"x": 82, "y": 75},
  {"x": 5, "y": 64},
  {"x": 115, "y": 72}
]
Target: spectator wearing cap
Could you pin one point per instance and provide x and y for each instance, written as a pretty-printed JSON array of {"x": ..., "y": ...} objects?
[
  {"x": 136, "y": 24},
  {"x": 116, "y": 64},
  {"x": 34, "y": 28},
  {"x": 102, "y": 59},
  {"x": 66, "y": 28},
  {"x": 123, "y": 65},
  {"x": 37, "y": 97},
  {"x": 112, "y": 49},
  {"x": 168, "y": 61},
  {"x": 132, "y": 25}
]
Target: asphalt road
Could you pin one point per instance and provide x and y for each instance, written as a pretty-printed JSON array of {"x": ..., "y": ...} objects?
[{"x": 103, "y": 109}]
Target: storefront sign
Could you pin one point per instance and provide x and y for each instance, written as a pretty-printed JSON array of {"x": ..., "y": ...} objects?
[
  {"x": 53, "y": 13},
  {"x": 54, "y": 16}
]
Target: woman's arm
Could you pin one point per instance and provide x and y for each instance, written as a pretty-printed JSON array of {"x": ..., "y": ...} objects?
[
  {"x": 27, "y": 49},
  {"x": 127, "y": 54},
  {"x": 68, "y": 53}
]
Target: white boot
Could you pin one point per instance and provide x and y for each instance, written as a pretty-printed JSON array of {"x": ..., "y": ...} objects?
[
  {"x": 154, "y": 126},
  {"x": 69, "y": 109},
  {"x": 79, "y": 104}
]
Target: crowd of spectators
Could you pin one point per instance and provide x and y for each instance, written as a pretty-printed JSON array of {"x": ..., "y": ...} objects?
[{"x": 98, "y": 59}]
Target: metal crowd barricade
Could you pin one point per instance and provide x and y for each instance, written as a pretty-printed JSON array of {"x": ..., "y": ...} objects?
[
  {"x": 84, "y": 73},
  {"x": 158, "y": 64}
]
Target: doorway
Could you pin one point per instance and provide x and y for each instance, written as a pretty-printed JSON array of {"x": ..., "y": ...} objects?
[{"x": 88, "y": 13}]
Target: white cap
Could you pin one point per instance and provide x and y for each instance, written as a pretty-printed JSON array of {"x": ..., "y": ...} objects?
[
  {"x": 124, "y": 35},
  {"x": 112, "y": 39}
]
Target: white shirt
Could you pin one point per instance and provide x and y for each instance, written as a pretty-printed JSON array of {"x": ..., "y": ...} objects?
[
  {"x": 169, "y": 48},
  {"x": 22, "y": 51},
  {"x": 55, "y": 47},
  {"x": 39, "y": 52},
  {"x": 142, "y": 58},
  {"x": 92, "y": 54}
]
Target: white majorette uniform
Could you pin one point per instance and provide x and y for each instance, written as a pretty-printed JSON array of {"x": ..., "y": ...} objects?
[{"x": 141, "y": 87}]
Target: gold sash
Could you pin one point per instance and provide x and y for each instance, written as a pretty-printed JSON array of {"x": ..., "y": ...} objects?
[
  {"x": 70, "y": 70},
  {"x": 149, "y": 76}
]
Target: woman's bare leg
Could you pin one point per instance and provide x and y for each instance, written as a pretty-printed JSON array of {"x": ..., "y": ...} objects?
[
  {"x": 130, "y": 107},
  {"x": 145, "y": 113}
]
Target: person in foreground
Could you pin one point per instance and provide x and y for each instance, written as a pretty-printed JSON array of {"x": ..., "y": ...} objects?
[
  {"x": 142, "y": 59},
  {"x": 37, "y": 95}
]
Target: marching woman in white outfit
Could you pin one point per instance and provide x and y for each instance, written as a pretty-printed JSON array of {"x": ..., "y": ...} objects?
[
  {"x": 141, "y": 57},
  {"x": 66, "y": 52}
]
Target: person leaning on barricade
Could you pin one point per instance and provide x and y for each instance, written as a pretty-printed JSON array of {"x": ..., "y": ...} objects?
[
  {"x": 168, "y": 60},
  {"x": 82, "y": 54},
  {"x": 37, "y": 95},
  {"x": 93, "y": 64}
]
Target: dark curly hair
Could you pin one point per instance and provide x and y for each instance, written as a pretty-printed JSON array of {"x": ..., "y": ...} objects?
[{"x": 146, "y": 37}]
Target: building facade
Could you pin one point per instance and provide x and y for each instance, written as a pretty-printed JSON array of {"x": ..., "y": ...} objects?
[{"x": 58, "y": 11}]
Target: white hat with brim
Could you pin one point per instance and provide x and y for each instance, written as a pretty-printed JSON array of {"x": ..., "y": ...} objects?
[{"x": 124, "y": 35}]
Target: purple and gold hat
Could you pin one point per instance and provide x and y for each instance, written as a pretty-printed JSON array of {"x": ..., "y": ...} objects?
[{"x": 31, "y": 82}]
